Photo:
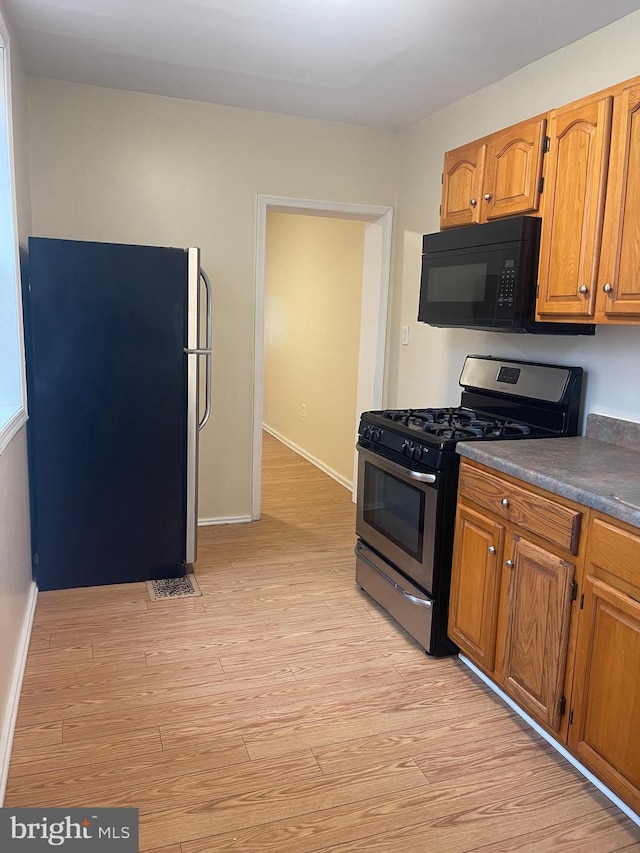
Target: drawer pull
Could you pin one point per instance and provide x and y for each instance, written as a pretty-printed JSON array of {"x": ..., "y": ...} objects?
[
  {"x": 508, "y": 564},
  {"x": 491, "y": 549},
  {"x": 505, "y": 502}
]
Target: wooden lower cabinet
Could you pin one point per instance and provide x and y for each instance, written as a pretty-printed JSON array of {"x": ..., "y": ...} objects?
[
  {"x": 512, "y": 587},
  {"x": 556, "y": 627},
  {"x": 475, "y": 588},
  {"x": 537, "y": 630},
  {"x": 605, "y": 730}
]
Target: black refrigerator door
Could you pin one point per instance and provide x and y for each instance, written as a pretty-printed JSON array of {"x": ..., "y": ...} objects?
[{"x": 107, "y": 400}]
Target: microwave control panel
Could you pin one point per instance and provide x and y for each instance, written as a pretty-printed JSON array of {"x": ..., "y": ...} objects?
[{"x": 506, "y": 288}]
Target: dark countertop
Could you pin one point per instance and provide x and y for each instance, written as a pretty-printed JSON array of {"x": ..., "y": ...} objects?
[{"x": 596, "y": 473}]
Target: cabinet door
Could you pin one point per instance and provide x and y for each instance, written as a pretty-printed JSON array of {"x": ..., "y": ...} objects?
[
  {"x": 538, "y": 613},
  {"x": 462, "y": 185},
  {"x": 475, "y": 586},
  {"x": 619, "y": 282},
  {"x": 605, "y": 733},
  {"x": 573, "y": 209},
  {"x": 513, "y": 170}
]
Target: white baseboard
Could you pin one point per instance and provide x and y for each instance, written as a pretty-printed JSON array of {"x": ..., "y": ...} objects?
[
  {"x": 8, "y": 724},
  {"x": 290, "y": 444},
  {"x": 232, "y": 519},
  {"x": 554, "y": 743}
]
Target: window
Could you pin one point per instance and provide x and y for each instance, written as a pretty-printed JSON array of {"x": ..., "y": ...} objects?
[{"x": 12, "y": 383}]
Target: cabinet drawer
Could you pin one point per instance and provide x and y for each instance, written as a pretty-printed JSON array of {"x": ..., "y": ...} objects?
[
  {"x": 552, "y": 521},
  {"x": 615, "y": 553}
]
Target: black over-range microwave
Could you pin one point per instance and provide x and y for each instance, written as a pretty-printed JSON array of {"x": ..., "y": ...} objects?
[{"x": 485, "y": 277}]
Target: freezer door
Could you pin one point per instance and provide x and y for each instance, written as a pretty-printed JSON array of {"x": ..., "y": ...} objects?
[{"x": 194, "y": 352}]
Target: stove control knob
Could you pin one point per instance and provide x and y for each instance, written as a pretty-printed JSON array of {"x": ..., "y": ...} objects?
[
  {"x": 377, "y": 433},
  {"x": 418, "y": 452},
  {"x": 405, "y": 448}
]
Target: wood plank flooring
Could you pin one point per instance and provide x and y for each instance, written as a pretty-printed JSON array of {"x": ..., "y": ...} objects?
[{"x": 283, "y": 710}]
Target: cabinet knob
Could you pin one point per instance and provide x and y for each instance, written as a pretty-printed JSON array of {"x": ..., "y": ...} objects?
[
  {"x": 505, "y": 502},
  {"x": 491, "y": 549},
  {"x": 607, "y": 288},
  {"x": 487, "y": 196},
  {"x": 508, "y": 564},
  {"x": 473, "y": 202},
  {"x": 583, "y": 289}
]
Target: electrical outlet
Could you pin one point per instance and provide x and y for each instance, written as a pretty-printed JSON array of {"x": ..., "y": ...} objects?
[
  {"x": 304, "y": 410},
  {"x": 405, "y": 336}
]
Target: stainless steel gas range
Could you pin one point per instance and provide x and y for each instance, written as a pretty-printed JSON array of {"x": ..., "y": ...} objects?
[{"x": 408, "y": 476}]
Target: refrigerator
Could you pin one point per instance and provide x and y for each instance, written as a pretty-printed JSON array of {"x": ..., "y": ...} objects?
[{"x": 116, "y": 337}]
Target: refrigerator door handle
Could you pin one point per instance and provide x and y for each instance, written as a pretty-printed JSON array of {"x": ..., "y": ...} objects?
[
  {"x": 206, "y": 351},
  {"x": 193, "y": 351}
]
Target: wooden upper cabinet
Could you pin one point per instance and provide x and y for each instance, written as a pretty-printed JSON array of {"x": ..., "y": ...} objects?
[
  {"x": 498, "y": 175},
  {"x": 462, "y": 185},
  {"x": 618, "y": 297},
  {"x": 513, "y": 170},
  {"x": 573, "y": 208},
  {"x": 537, "y": 630}
]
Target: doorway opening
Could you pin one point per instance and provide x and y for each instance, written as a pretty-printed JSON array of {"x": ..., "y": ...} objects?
[{"x": 373, "y": 314}]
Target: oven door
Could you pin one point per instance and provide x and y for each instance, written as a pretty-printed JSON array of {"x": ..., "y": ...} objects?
[{"x": 396, "y": 514}]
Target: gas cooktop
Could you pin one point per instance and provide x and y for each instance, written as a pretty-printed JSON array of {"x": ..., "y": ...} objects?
[
  {"x": 501, "y": 399},
  {"x": 455, "y": 422}
]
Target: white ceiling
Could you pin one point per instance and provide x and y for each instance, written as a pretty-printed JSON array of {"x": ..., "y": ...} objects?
[{"x": 384, "y": 63}]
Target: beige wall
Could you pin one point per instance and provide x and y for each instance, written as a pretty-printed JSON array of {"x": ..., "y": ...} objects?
[
  {"x": 313, "y": 290},
  {"x": 120, "y": 166},
  {"x": 15, "y": 546},
  {"x": 428, "y": 370}
]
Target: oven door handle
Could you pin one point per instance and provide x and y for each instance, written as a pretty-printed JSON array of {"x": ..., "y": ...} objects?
[
  {"x": 383, "y": 462},
  {"x": 412, "y": 598}
]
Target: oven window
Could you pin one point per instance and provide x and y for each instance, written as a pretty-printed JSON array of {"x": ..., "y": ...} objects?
[{"x": 395, "y": 509}]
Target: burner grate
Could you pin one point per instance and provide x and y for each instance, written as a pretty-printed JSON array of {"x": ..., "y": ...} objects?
[{"x": 455, "y": 423}]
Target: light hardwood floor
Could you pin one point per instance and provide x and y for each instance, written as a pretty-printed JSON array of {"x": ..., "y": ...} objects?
[{"x": 283, "y": 711}]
